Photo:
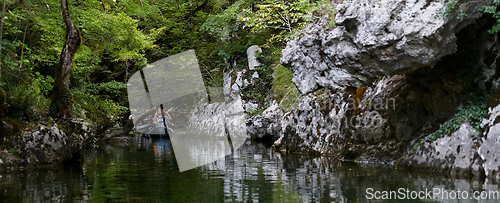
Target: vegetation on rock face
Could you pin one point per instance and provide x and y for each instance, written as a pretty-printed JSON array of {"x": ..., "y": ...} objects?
[
  {"x": 451, "y": 6},
  {"x": 474, "y": 113},
  {"x": 466, "y": 60},
  {"x": 259, "y": 92},
  {"x": 285, "y": 92},
  {"x": 268, "y": 24},
  {"x": 493, "y": 10}
]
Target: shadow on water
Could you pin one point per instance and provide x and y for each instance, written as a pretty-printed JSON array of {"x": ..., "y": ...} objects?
[{"x": 146, "y": 171}]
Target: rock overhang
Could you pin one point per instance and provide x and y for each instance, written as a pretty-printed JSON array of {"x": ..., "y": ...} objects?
[{"x": 375, "y": 38}]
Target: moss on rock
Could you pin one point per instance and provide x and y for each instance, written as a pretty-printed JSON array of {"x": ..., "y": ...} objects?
[{"x": 283, "y": 89}]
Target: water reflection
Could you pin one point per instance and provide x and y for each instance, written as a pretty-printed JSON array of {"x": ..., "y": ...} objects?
[
  {"x": 44, "y": 186},
  {"x": 147, "y": 171}
]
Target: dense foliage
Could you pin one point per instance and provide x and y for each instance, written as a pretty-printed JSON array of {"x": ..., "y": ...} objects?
[
  {"x": 118, "y": 38},
  {"x": 121, "y": 36}
]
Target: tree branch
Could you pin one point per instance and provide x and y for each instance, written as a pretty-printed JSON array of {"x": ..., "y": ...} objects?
[{"x": 123, "y": 131}]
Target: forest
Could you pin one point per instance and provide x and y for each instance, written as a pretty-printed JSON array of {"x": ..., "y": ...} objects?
[{"x": 119, "y": 37}]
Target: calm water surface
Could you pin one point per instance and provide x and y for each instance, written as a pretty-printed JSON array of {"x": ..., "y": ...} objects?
[{"x": 146, "y": 171}]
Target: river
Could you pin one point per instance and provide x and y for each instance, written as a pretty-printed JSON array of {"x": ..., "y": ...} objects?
[{"x": 146, "y": 171}]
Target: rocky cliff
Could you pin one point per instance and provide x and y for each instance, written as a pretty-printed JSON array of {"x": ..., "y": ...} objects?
[{"x": 385, "y": 78}]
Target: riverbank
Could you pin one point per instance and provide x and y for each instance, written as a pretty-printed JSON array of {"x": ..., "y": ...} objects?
[
  {"x": 43, "y": 146},
  {"x": 146, "y": 170}
]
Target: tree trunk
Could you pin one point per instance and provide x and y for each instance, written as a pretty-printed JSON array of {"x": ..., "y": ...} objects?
[{"x": 62, "y": 100}]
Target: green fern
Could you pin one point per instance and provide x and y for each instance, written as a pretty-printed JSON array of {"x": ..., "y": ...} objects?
[{"x": 492, "y": 9}]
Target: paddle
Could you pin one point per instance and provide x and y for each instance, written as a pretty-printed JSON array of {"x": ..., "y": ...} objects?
[{"x": 164, "y": 123}]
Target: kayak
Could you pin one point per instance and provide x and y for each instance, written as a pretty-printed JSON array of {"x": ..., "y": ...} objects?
[
  {"x": 158, "y": 131},
  {"x": 143, "y": 128}
]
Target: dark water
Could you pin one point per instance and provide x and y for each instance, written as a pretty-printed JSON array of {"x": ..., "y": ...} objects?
[{"x": 146, "y": 171}]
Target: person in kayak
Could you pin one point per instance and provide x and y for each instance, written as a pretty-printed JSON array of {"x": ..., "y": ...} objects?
[{"x": 158, "y": 118}]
